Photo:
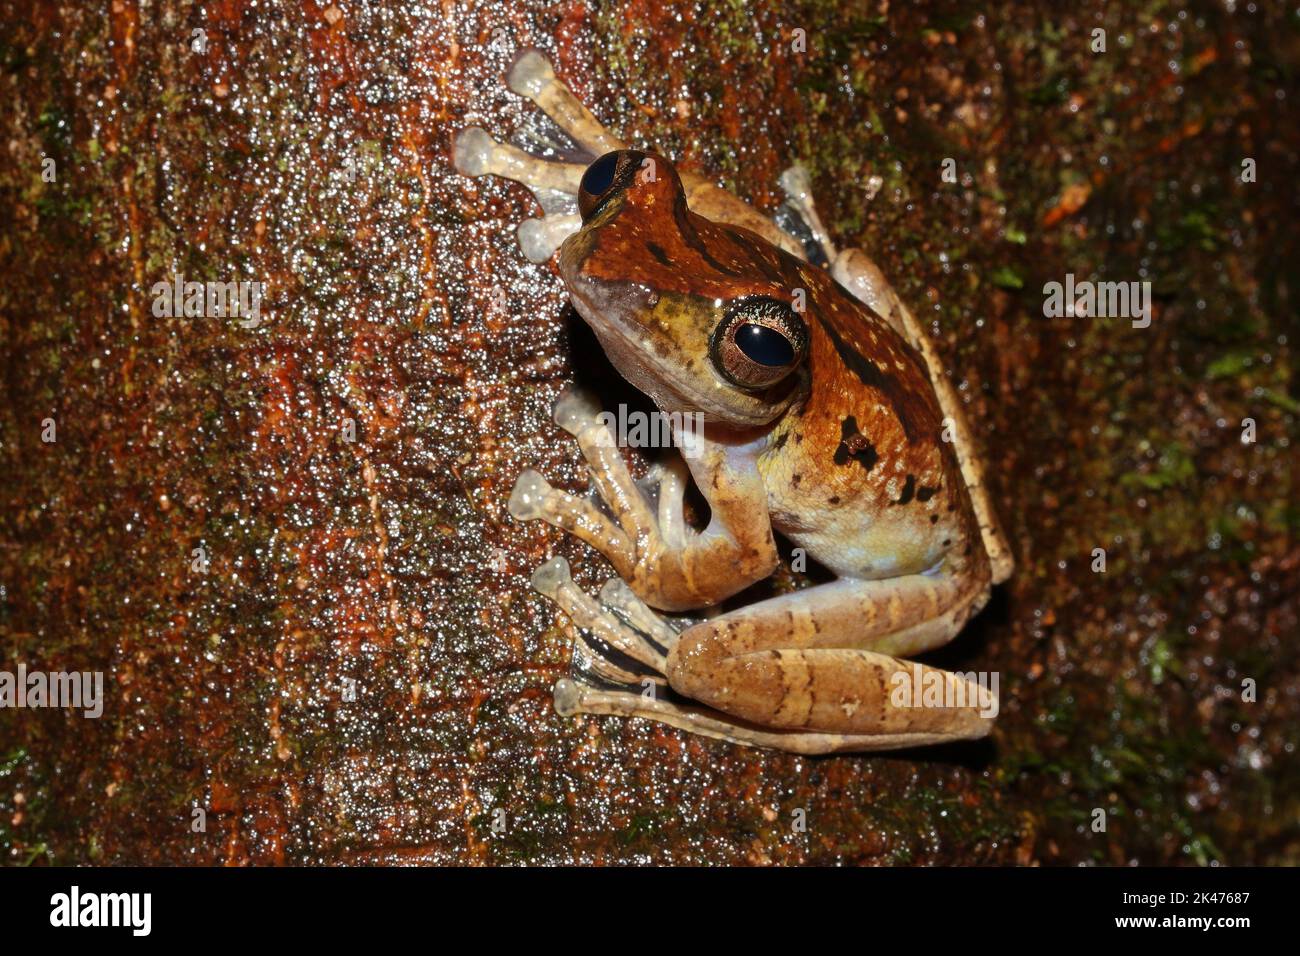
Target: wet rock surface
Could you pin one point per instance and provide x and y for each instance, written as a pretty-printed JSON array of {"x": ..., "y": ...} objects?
[{"x": 286, "y": 546}]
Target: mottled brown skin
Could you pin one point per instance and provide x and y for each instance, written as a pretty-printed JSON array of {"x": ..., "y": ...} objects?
[
  {"x": 835, "y": 434},
  {"x": 852, "y": 440}
]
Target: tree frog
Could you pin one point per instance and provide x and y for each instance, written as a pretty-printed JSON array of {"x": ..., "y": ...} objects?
[{"x": 828, "y": 419}]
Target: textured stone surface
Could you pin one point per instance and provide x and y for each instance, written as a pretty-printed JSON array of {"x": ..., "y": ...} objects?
[{"x": 307, "y": 146}]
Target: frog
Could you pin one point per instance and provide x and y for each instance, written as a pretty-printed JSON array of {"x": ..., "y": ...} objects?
[{"x": 828, "y": 419}]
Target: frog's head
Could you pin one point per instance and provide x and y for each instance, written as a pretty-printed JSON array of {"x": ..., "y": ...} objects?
[{"x": 698, "y": 315}]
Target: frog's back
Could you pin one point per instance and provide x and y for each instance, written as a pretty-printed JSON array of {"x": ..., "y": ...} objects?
[{"x": 859, "y": 472}]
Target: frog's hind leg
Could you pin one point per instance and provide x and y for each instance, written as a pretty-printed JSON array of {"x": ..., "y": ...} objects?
[
  {"x": 601, "y": 686},
  {"x": 826, "y": 660},
  {"x": 820, "y": 671}
]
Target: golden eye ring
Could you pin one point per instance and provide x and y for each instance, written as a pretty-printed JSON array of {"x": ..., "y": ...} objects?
[{"x": 759, "y": 341}]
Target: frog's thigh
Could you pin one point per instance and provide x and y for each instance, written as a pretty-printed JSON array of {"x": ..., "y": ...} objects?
[{"x": 820, "y": 660}]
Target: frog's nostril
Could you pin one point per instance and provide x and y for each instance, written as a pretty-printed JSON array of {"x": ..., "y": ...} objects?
[{"x": 764, "y": 345}]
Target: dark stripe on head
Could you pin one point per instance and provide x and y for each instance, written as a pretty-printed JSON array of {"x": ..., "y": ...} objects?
[
  {"x": 870, "y": 375},
  {"x": 657, "y": 251},
  {"x": 691, "y": 237}
]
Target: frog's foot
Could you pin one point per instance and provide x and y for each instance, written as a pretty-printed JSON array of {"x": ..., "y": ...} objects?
[
  {"x": 621, "y": 647},
  {"x": 817, "y": 671},
  {"x": 797, "y": 186},
  {"x": 618, "y": 619},
  {"x": 554, "y": 183},
  {"x": 616, "y": 517},
  {"x": 640, "y": 526},
  {"x": 852, "y": 268},
  {"x": 531, "y": 75}
]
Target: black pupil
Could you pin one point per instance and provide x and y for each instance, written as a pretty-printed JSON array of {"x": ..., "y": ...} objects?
[
  {"x": 764, "y": 345},
  {"x": 599, "y": 175}
]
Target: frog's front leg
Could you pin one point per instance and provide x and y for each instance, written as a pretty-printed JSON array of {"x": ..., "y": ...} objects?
[
  {"x": 555, "y": 183},
  {"x": 668, "y": 564}
]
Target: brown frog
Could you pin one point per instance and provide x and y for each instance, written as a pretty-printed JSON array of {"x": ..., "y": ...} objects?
[{"x": 827, "y": 419}]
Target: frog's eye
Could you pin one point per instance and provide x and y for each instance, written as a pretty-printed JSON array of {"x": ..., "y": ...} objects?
[
  {"x": 605, "y": 178},
  {"x": 758, "y": 342}
]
